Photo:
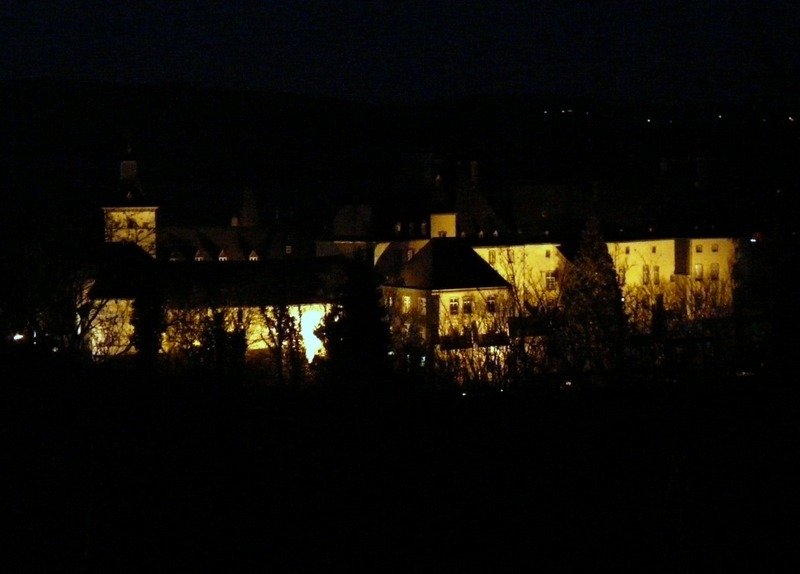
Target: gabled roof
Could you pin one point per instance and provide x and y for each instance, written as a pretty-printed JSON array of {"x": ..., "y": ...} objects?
[{"x": 448, "y": 263}]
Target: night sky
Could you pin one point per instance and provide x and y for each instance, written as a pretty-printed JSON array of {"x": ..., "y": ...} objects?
[{"x": 407, "y": 52}]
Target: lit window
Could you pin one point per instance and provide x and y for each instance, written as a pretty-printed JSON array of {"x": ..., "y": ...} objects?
[
  {"x": 656, "y": 275},
  {"x": 698, "y": 271},
  {"x": 288, "y": 250},
  {"x": 423, "y": 306},
  {"x": 454, "y": 306},
  {"x": 406, "y": 304},
  {"x": 253, "y": 256},
  {"x": 698, "y": 248},
  {"x": 222, "y": 256},
  {"x": 714, "y": 272},
  {"x": 467, "y": 306},
  {"x": 199, "y": 256},
  {"x": 645, "y": 275},
  {"x": 550, "y": 280},
  {"x": 423, "y": 228},
  {"x": 409, "y": 253},
  {"x": 398, "y": 227},
  {"x": 491, "y": 304},
  {"x": 621, "y": 275},
  {"x": 492, "y": 257},
  {"x": 480, "y": 234},
  {"x": 714, "y": 247},
  {"x": 390, "y": 300}
]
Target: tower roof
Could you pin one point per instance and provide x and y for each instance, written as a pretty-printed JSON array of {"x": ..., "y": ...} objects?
[{"x": 449, "y": 263}]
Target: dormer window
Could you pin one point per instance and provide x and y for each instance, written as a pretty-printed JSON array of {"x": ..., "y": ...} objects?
[
  {"x": 222, "y": 256},
  {"x": 288, "y": 249},
  {"x": 200, "y": 255},
  {"x": 253, "y": 255},
  {"x": 423, "y": 228},
  {"x": 409, "y": 253},
  {"x": 175, "y": 255}
]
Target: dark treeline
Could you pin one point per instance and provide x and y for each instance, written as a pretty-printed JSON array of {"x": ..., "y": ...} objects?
[{"x": 116, "y": 468}]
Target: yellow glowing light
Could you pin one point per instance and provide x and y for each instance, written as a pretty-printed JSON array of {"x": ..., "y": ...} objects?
[{"x": 310, "y": 317}]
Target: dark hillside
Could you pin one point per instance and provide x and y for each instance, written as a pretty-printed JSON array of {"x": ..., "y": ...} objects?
[
  {"x": 117, "y": 469},
  {"x": 201, "y": 147}
]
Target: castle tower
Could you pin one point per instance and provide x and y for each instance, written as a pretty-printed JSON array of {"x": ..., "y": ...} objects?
[{"x": 132, "y": 218}]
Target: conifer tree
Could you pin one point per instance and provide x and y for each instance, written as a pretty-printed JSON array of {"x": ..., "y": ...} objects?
[
  {"x": 355, "y": 332},
  {"x": 592, "y": 321}
]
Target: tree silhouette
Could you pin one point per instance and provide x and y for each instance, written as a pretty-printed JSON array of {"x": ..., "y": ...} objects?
[
  {"x": 592, "y": 324},
  {"x": 148, "y": 318},
  {"x": 355, "y": 332}
]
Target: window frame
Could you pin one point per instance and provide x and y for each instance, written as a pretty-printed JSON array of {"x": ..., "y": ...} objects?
[
  {"x": 455, "y": 306},
  {"x": 467, "y": 305},
  {"x": 491, "y": 304}
]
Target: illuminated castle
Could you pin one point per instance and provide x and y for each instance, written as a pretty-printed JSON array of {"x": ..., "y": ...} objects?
[
  {"x": 243, "y": 277},
  {"x": 459, "y": 285}
]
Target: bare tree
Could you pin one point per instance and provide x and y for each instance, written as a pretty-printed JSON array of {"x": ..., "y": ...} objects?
[{"x": 283, "y": 342}]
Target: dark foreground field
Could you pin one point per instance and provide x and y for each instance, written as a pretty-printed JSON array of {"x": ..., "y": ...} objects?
[{"x": 117, "y": 471}]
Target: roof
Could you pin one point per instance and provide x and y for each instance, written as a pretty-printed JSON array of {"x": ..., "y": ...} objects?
[
  {"x": 448, "y": 263},
  {"x": 120, "y": 269},
  {"x": 237, "y": 242},
  {"x": 248, "y": 283},
  {"x": 231, "y": 283}
]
